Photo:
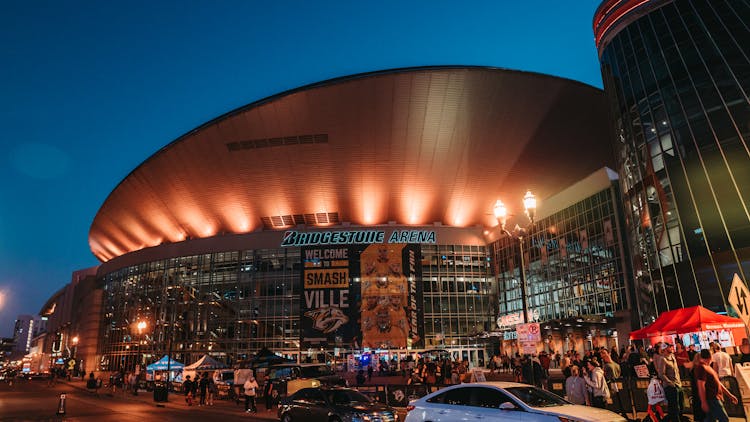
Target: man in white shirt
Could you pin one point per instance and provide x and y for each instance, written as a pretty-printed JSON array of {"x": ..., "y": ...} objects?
[{"x": 721, "y": 362}]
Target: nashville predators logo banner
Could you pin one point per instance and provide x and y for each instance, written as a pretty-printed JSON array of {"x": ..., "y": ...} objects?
[{"x": 361, "y": 296}]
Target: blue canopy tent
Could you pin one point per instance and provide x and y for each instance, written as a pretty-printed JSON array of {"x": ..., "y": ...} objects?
[
  {"x": 164, "y": 363},
  {"x": 161, "y": 365}
]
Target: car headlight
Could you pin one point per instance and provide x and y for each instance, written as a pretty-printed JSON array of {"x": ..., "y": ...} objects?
[{"x": 361, "y": 417}]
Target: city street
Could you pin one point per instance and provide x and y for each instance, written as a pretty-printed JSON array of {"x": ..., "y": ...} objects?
[{"x": 35, "y": 400}]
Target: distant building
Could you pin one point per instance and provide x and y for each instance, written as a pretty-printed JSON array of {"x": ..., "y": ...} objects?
[
  {"x": 74, "y": 313},
  {"x": 27, "y": 327},
  {"x": 7, "y": 346}
]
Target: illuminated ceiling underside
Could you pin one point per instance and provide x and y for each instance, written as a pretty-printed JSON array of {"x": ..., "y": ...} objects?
[{"x": 412, "y": 146}]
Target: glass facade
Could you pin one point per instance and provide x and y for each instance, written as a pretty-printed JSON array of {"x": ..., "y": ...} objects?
[
  {"x": 574, "y": 260},
  {"x": 231, "y": 304},
  {"x": 678, "y": 81}
]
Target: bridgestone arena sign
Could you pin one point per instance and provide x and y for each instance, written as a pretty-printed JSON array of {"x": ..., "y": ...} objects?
[{"x": 358, "y": 237}]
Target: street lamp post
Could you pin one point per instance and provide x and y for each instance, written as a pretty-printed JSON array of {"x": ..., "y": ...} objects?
[
  {"x": 74, "y": 340},
  {"x": 141, "y": 326},
  {"x": 501, "y": 213}
]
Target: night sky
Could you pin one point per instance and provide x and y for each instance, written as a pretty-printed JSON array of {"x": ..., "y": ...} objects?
[{"x": 92, "y": 89}]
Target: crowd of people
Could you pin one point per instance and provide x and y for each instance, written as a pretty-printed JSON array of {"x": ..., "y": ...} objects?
[
  {"x": 203, "y": 387},
  {"x": 424, "y": 370},
  {"x": 590, "y": 378}
]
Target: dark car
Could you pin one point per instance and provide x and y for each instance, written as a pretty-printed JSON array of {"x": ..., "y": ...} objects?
[
  {"x": 288, "y": 378},
  {"x": 333, "y": 404}
]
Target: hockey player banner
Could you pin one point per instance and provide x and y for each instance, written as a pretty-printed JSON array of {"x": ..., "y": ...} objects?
[{"x": 391, "y": 309}]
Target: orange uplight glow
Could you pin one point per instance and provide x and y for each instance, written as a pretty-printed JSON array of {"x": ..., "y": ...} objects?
[
  {"x": 373, "y": 203},
  {"x": 415, "y": 207},
  {"x": 424, "y": 149}
]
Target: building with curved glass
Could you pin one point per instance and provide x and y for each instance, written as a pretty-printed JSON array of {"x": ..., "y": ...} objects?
[
  {"x": 350, "y": 215},
  {"x": 677, "y": 77},
  {"x": 575, "y": 269}
]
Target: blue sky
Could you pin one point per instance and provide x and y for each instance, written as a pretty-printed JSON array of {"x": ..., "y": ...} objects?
[{"x": 91, "y": 89}]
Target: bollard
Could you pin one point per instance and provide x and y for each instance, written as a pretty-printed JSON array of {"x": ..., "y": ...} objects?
[{"x": 61, "y": 405}]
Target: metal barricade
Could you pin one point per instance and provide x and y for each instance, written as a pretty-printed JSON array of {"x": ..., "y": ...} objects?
[
  {"x": 733, "y": 410},
  {"x": 375, "y": 392},
  {"x": 400, "y": 395}
]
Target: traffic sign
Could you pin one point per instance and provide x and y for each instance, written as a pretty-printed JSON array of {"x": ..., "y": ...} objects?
[
  {"x": 529, "y": 332},
  {"x": 739, "y": 298}
]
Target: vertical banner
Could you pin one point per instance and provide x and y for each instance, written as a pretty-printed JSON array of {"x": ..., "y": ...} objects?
[
  {"x": 391, "y": 308},
  {"x": 329, "y": 301},
  {"x": 609, "y": 237},
  {"x": 584, "y": 240},
  {"x": 362, "y": 296}
]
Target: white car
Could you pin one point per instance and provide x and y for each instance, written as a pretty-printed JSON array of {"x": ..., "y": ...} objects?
[{"x": 501, "y": 401}]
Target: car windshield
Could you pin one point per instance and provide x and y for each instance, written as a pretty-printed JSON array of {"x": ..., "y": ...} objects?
[
  {"x": 346, "y": 396},
  {"x": 536, "y": 397},
  {"x": 315, "y": 371}
]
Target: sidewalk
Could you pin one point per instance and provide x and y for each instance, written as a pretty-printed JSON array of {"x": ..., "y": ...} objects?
[{"x": 177, "y": 401}]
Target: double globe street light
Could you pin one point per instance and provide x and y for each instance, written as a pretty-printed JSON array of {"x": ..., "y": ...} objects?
[{"x": 519, "y": 233}]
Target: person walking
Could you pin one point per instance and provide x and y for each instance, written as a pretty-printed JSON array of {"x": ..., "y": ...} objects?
[
  {"x": 134, "y": 383},
  {"x": 575, "y": 388},
  {"x": 721, "y": 362},
  {"x": 612, "y": 372},
  {"x": 745, "y": 350},
  {"x": 598, "y": 385},
  {"x": 91, "y": 383},
  {"x": 213, "y": 390},
  {"x": 268, "y": 393},
  {"x": 711, "y": 390},
  {"x": 669, "y": 374},
  {"x": 203, "y": 389},
  {"x": 251, "y": 388},
  {"x": 695, "y": 399},
  {"x": 188, "y": 388}
]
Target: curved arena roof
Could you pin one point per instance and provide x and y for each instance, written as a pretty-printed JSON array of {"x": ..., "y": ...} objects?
[{"x": 411, "y": 146}]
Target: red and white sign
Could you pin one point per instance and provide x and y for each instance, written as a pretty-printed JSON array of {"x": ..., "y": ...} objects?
[{"x": 529, "y": 332}]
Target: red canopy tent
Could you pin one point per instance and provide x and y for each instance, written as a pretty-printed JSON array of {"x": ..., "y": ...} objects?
[{"x": 690, "y": 320}]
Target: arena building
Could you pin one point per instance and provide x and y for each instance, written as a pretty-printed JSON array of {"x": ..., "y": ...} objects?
[
  {"x": 349, "y": 215},
  {"x": 677, "y": 78}
]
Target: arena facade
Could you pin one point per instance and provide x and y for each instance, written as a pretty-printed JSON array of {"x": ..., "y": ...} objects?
[{"x": 349, "y": 215}]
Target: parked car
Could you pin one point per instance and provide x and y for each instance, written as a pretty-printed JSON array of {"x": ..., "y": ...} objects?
[
  {"x": 290, "y": 377},
  {"x": 502, "y": 401},
  {"x": 327, "y": 404}
]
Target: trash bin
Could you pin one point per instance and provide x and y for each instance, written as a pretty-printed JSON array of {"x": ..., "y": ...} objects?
[{"x": 160, "y": 392}]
